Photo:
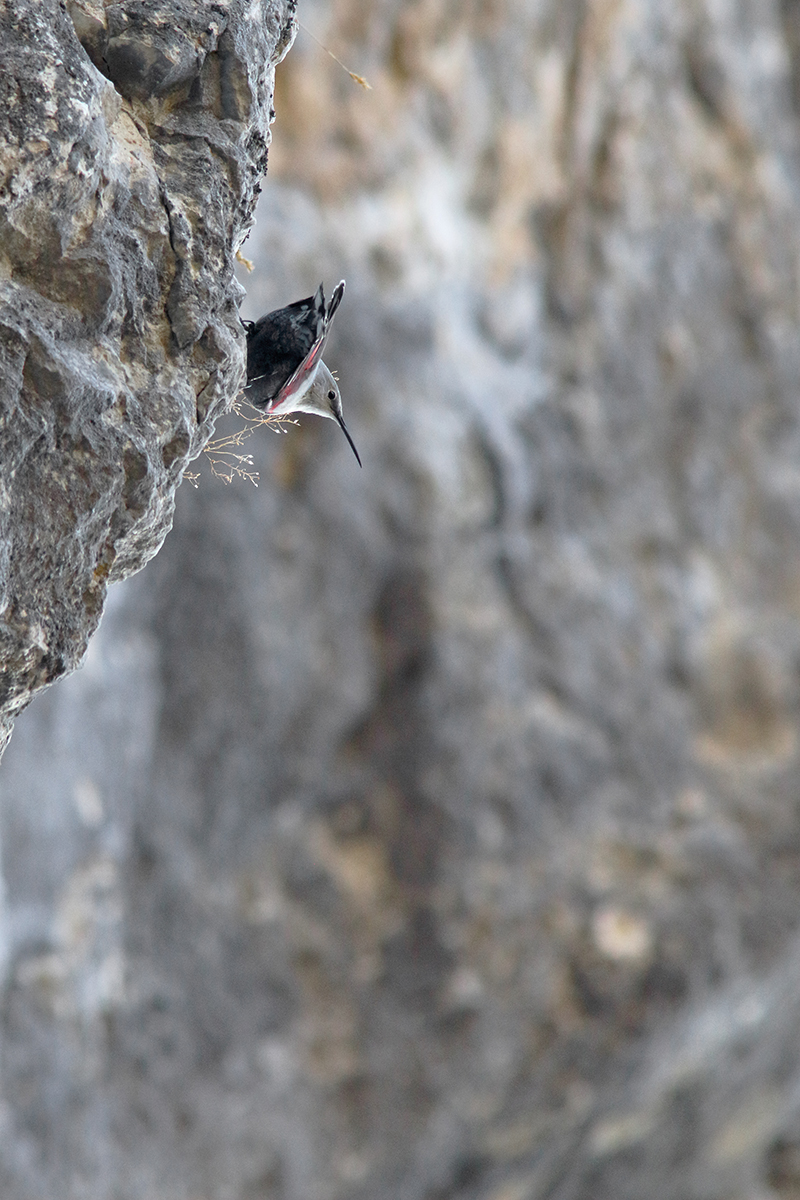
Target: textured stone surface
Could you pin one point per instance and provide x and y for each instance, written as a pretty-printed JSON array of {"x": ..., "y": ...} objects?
[
  {"x": 432, "y": 832},
  {"x": 132, "y": 140}
]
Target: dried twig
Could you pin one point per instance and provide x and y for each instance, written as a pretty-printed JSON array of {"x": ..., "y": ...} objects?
[
  {"x": 359, "y": 79},
  {"x": 225, "y": 463}
]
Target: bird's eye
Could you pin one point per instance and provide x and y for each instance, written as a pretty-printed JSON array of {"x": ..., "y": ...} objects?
[{"x": 331, "y": 395}]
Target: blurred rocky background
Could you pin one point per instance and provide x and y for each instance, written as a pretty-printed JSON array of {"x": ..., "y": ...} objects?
[{"x": 432, "y": 831}]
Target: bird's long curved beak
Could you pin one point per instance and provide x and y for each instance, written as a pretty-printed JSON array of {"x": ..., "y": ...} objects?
[{"x": 340, "y": 419}]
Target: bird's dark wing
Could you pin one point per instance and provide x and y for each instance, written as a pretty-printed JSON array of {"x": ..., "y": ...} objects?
[
  {"x": 278, "y": 343},
  {"x": 314, "y": 355}
]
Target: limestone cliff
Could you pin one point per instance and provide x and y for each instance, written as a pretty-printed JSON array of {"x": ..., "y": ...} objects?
[
  {"x": 431, "y": 831},
  {"x": 132, "y": 141}
]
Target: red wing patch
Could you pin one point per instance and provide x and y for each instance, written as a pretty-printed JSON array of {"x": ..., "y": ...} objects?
[
  {"x": 306, "y": 368},
  {"x": 300, "y": 374}
]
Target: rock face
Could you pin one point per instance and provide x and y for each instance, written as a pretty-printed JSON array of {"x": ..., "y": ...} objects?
[
  {"x": 431, "y": 832},
  {"x": 132, "y": 140}
]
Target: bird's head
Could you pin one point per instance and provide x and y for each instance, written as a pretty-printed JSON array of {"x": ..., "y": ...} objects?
[{"x": 324, "y": 398}]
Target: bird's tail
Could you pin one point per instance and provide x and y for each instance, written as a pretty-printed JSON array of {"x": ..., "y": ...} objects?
[{"x": 336, "y": 300}]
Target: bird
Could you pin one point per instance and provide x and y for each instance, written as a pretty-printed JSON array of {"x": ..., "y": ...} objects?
[{"x": 285, "y": 371}]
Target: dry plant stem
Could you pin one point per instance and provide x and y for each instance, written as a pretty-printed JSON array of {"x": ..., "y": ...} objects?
[
  {"x": 359, "y": 79},
  {"x": 225, "y": 463}
]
